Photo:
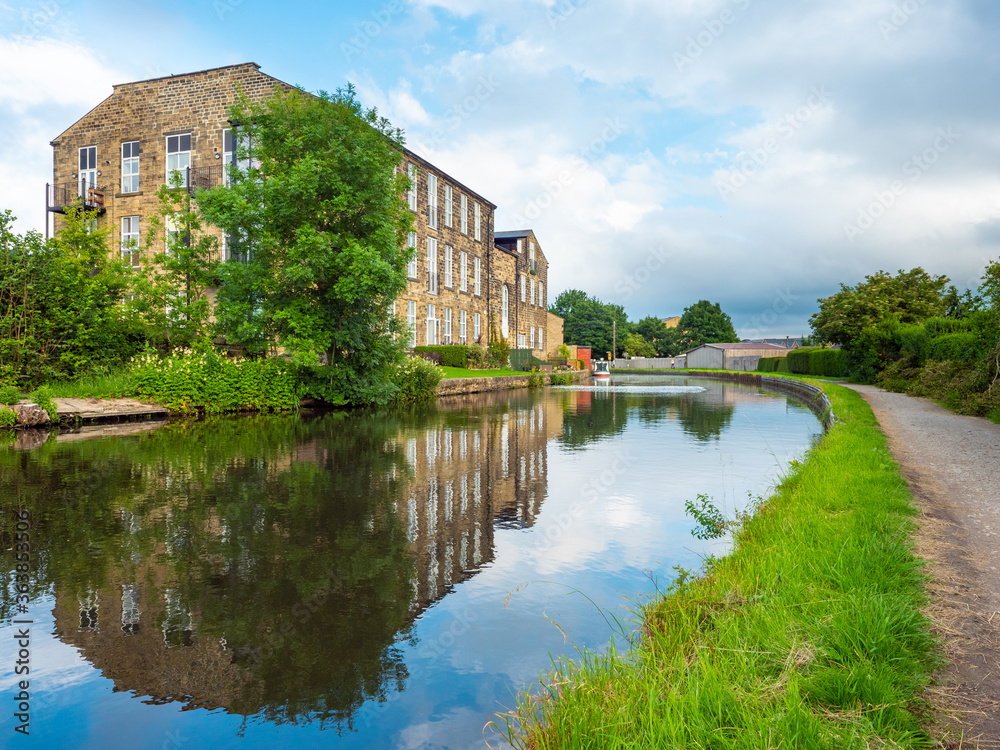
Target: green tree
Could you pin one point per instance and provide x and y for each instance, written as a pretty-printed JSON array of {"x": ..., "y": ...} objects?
[
  {"x": 910, "y": 296},
  {"x": 319, "y": 211},
  {"x": 590, "y": 322},
  {"x": 636, "y": 346},
  {"x": 706, "y": 323}
]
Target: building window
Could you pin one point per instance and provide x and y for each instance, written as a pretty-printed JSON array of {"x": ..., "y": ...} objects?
[
  {"x": 478, "y": 225},
  {"x": 504, "y": 311},
  {"x": 532, "y": 291},
  {"x": 411, "y": 265},
  {"x": 130, "y": 240},
  {"x": 531, "y": 254},
  {"x": 532, "y": 337},
  {"x": 432, "y": 201},
  {"x": 130, "y": 167},
  {"x": 541, "y": 295},
  {"x": 463, "y": 213},
  {"x": 88, "y": 169},
  {"x": 432, "y": 326},
  {"x": 540, "y": 344},
  {"x": 412, "y": 194},
  {"x": 462, "y": 327},
  {"x": 432, "y": 265},
  {"x": 411, "y": 322},
  {"x": 448, "y": 267},
  {"x": 476, "y": 328},
  {"x": 447, "y": 325},
  {"x": 178, "y": 158},
  {"x": 236, "y": 247},
  {"x": 475, "y": 273},
  {"x": 520, "y": 341},
  {"x": 523, "y": 295},
  {"x": 463, "y": 272},
  {"x": 520, "y": 246},
  {"x": 448, "y": 207},
  {"x": 176, "y": 234}
]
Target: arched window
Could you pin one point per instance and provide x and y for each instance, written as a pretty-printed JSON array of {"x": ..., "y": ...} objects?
[{"x": 504, "y": 312}]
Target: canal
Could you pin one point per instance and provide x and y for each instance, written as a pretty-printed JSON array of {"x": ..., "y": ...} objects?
[{"x": 356, "y": 579}]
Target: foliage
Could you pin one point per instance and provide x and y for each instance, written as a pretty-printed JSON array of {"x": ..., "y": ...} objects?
[
  {"x": 910, "y": 297},
  {"x": 59, "y": 302},
  {"x": 452, "y": 355},
  {"x": 457, "y": 372},
  {"x": 636, "y": 346},
  {"x": 564, "y": 350},
  {"x": 475, "y": 357},
  {"x": 43, "y": 397},
  {"x": 706, "y": 323},
  {"x": 9, "y": 395},
  {"x": 535, "y": 379},
  {"x": 8, "y": 417},
  {"x": 808, "y": 634},
  {"x": 176, "y": 265},
  {"x": 953, "y": 347},
  {"x": 589, "y": 322},
  {"x": 320, "y": 214},
  {"x": 561, "y": 378},
  {"x": 416, "y": 379},
  {"x": 772, "y": 364},
  {"x": 498, "y": 350},
  {"x": 190, "y": 381},
  {"x": 818, "y": 361}
]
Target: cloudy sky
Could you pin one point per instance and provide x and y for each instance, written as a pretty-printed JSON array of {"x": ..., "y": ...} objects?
[{"x": 756, "y": 153}]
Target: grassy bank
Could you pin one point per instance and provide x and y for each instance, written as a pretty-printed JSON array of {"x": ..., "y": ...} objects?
[
  {"x": 808, "y": 635},
  {"x": 462, "y": 372}
]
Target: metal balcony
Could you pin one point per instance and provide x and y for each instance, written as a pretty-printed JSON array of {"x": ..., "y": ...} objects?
[{"x": 59, "y": 197}]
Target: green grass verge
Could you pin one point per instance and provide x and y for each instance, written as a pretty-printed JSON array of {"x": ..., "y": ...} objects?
[
  {"x": 809, "y": 634},
  {"x": 105, "y": 385},
  {"x": 461, "y": 372}
]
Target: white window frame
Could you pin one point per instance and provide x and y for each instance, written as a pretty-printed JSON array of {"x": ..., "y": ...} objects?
[
  {"x": 520, "y": 341},
  {"x": 172, "y": 227},
  {"x": 411, "y": 321},
  {"x": 504, "y": 311},
  {"x": 447, "y": 325},
  {"x": 520, "y": 246},
  {"x": 411, "y": 195},
  {"x": 463, "y": 272},
  {"x": 432, "y": 265},
  {"x": 464, "y": 213},
  {"x": 476, "y": 327},
  {"x": 432, "y": 201},
  {"x": 462, "y": 327},
  {"x": 541, "y": 296},
  {"x": 531, "y": 255},
  {"x": 433, "y": 326},
  {"x": 178, "y": 160},
  {"x": 130, "y": 240},
  {"x": 532, "y": 285},
  {"x": 411, "y": 264},
  {"x": 87, "y": 170},
  {"x": 130, "y": 166},
  {"x": 448, "y": 207},
  {"x": 448, "y": 270},
  {"x": 479, "y": 224},
  {"x": 523, "y": 288},
  {"x": 541, "y": 346},
  {"x": 532, "y": 329},
  {"x": 477, "y": 267}
]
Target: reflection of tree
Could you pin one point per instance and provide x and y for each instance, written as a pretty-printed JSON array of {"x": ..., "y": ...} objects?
[
  {"x": 605, "y": 418},
  {"x": 704, "y": 418},
  {"x": 277, "y": 535}
]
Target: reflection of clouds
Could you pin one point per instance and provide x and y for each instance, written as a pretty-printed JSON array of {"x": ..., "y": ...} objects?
[{"x": 624, "y": 513}]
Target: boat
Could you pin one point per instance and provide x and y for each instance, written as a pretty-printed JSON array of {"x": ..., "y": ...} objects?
[{"x": 601, "y": 370}]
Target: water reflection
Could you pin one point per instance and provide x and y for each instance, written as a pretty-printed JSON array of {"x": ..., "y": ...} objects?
[{"x": 276, "y": 567}]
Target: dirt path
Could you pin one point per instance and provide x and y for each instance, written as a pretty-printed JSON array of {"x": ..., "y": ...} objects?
[{"x": 952, "y": 464}]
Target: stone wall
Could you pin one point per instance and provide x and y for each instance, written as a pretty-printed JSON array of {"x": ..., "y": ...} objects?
[{"x": 459, "y": 386}]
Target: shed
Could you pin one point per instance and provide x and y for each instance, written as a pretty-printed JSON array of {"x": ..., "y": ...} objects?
[{"x": 742, "y": 356}]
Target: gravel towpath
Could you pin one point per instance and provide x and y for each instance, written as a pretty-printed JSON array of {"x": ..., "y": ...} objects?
[{"x": 952, "y": 464}]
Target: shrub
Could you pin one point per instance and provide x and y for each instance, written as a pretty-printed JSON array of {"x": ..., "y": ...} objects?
[
  {"x": 561, "y": 378},
  {"x": 564, "y": 351},
  {"x": 498, "y": 351},
  {"x": 43, "y": 397},
  {"x": 475, "y": 357},
  {"x": 452, "y": 355},
  {"x": 954, "y": 347},
  {"x": 205, "y": 381},
  {"x": 8, "y": 417},
  {"x": 768, "y": 364},
  {"x": 9, "y": 395},
  {"x": 416, "y": 379}
]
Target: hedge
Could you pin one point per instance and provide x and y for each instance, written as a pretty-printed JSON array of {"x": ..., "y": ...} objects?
[
  {"x": 818, "y": 361},
  {"x": 772, "y": 364},
  {"x": 954, "y": 347},
  {"x": 452, "y": 355}
]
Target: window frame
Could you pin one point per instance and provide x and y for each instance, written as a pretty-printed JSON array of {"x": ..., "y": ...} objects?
[
  {"x": 133, "y": 236},
  {"x": 185, "y": 182},
  {"x": 449, "y": 275},
  {"x": 477, "y": 268},
  {"x": 411, "y": 264},
  {"x": 446, "y": 334},
  {"x": 132, "y": 160},
  {"x": 411, "y": 193},
  {"x": 478, "y": 224},
  {"x": 464, "y": 213},
  {"x": 432, "y": 204},
  {"x": 411, "y": 321},
  {"x": 463, "y": 272},
  {"x": 448, "y": 206},
  {"x": 432, "y": 267}
]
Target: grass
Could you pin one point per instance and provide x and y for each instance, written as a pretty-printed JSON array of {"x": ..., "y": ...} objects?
[
  {"x": 102, "y": 385},
  {"x": 461, "y": 372},
  {"x": 809, "y": 634}
]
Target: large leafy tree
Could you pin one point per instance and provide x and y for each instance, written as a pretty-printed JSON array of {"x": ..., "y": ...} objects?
[
  {"x": 704, "y": 322},
  {"x": 590, "y": 322},
  {"x": 668, "y": 342},
  {"x": 909, "y": 296},
  {"x": 319, "y": 216}
]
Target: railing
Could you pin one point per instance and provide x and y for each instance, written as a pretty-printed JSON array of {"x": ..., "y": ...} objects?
[
  {"x": 205, "y": 178},
  {"x": 60, "y": 197}
]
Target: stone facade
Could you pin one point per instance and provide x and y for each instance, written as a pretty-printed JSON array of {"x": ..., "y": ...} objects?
[
  {"x": 554, "y": 339},
  {"x": 122, "y": 151}
]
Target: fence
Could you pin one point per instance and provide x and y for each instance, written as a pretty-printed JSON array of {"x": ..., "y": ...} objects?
[{"x": 651, "y": 363}]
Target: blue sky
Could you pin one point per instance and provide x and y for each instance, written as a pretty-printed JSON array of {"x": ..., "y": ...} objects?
[{"x": 748, "y": 152}]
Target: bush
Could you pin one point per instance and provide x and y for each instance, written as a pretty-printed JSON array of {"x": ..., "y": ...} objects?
[
  {"x": 9, "y": 395},
  {"x": 498, "y": 351},
  {"x": 43, "y": 397},
  {"x": 452, "y": 355},
  {"x": 8, "y": 418},
  {"x": 475, "y": 357},
  {"x": 205, "y": 381},
  {"x": 417, "y": 380},
  {"x": 561, "y": 378},
  {"x": 954, "y": 347}
]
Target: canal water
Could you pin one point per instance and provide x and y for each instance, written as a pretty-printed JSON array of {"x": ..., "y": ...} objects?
[{"x": 356, "y": 580}]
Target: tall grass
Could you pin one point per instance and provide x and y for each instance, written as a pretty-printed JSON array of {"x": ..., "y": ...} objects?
[
  {"x": 109, "y": 384},
  {"x": 808, "y": 635}
]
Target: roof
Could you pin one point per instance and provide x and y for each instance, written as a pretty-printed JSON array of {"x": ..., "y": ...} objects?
[
  {"x": 193, "y": 73},
  {"x": 515, "y": 234},
  {"x": 730, "y": 347}
]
